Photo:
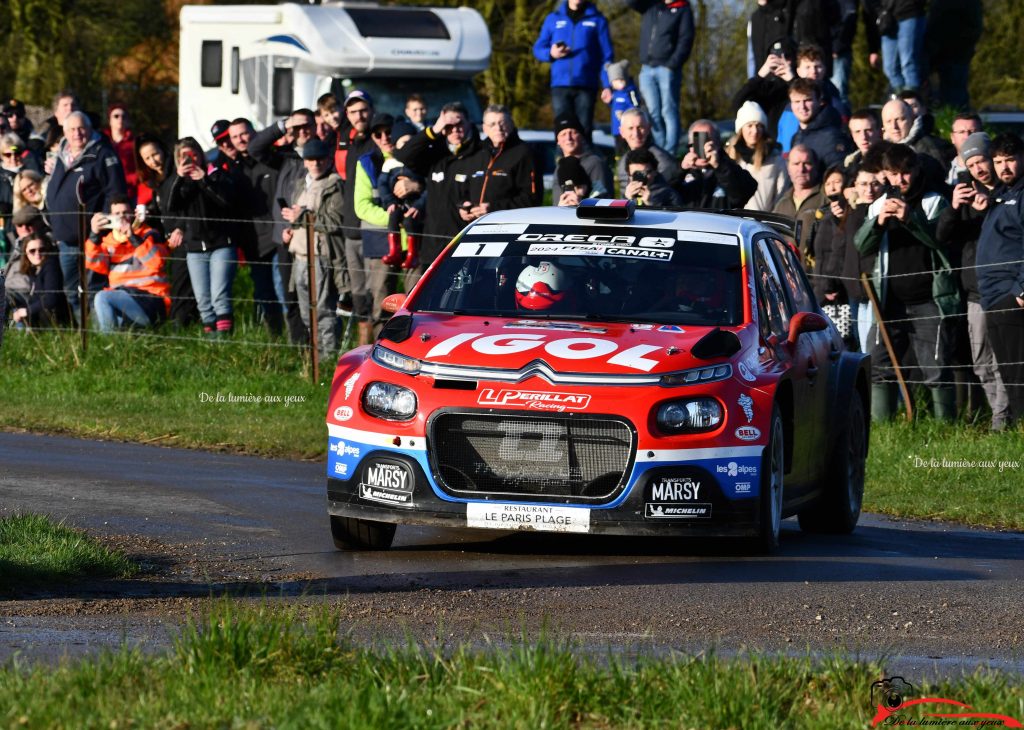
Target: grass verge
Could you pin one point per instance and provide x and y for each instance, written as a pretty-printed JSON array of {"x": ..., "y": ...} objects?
[
  {"x": 144, "y": 389},
  {"x": 36, "y": 551},
  {"x": 286, "y": 672}
]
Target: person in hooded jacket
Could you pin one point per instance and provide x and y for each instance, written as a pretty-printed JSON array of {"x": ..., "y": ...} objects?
[
  {"x": 84, "y": 158},
  {"x": 505, "y": 174},
  {"x": 576, "y": 41},
  {"x": 444, "y": 154}
]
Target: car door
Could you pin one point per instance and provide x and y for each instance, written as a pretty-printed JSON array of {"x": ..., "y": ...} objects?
[{"x": 814, "y": 351}]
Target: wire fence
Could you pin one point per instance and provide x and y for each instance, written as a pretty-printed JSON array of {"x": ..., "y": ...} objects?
[{"x": 175, "y": 255}]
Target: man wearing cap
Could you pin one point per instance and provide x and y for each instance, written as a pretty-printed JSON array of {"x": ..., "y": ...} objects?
[
  {"x": 504, "y": 175},
  {"x": 964, "y": 125},
  {"x": 576, "y": 41},
  {"x": 381, "y": 279},
  {"x": 958, "y": 229},
  {"x": 666, "y": 39},
  {"x": 320, "y": 193},
  {"x": 571, "y": 143},
  {"x": 296, "y": 130}
]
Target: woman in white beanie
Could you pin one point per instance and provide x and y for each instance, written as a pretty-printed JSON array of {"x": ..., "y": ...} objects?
[{"x": 756, "y": 153}]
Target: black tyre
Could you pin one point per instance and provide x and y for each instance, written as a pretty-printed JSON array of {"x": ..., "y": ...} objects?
[
  {"x": 773, "y": 469},
  {"x": 351, "y": 533},
  {"x": 838, "y": 510}
]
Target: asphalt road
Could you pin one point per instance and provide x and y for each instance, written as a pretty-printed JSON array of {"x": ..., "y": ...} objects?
[{"x": 930, "y": 598}]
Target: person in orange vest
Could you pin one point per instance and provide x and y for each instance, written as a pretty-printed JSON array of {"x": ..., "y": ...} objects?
[{"x": 131, "y": 255}]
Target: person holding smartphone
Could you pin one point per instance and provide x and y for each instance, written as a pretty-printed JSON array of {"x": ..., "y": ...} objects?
[
  {"x": 646, "y": 186},
  {"x": 917, "y": 291},
  {"x": 959, "y": 229},
  {"x": 711, "y": 179},
  {"x": 199, "y": 205},
  {"x": 576, "y": 40}
]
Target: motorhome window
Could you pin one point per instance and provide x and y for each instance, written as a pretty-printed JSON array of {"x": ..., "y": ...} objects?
[
  {"x": 390, "y": 92},
  {"x": 212, "y": 63},
  {"x": 234, "y": 70},
  {"x": 282, "y": 91},
  {"x": 383, "y": 23}
]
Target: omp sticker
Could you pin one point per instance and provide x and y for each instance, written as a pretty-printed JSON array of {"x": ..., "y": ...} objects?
[
  {"x": 544, "y": 518},
  {"x": 494, "y": 229},
  {"x": 488, "y": 249},
  {"x": 535, "y": 400}
]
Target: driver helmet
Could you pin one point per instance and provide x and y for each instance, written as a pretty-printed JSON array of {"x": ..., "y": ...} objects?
[{"x": 541, "y": 287}]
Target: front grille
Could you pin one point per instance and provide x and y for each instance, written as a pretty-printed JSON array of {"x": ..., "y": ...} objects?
[{"x": 551, "y": 457}]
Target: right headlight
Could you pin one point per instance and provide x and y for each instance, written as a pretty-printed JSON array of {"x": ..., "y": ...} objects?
[
  {"x": 692, "y": 415},
  {"x": 389, "y": 401}
]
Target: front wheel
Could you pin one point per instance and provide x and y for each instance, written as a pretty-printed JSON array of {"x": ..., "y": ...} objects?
[
  {"x": 351, "y": 533},
  {"x": 773, "y": 467},
  {"x": 838, "y": 510}
]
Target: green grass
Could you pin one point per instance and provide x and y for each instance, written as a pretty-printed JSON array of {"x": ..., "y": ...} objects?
[
  {"x": 956, "y": 472},
  {"x": 257, "y": 667},
  {"x": 143, "y": 389},
  {"x": 36, "y": 551}
]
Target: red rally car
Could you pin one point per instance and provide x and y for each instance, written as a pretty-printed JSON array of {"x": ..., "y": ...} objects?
[{"x": 602, "y": 369}]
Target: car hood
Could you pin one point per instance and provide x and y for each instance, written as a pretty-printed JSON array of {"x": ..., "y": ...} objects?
[{"x": 459, "y": 342}]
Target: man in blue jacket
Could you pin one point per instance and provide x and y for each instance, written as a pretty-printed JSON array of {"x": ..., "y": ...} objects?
[
  {"x": 666, "y": 39},
  {"x": 576, "y": 41},
  {"x": 84, "y": 156},
  {"x": 1000, "y": 271}
]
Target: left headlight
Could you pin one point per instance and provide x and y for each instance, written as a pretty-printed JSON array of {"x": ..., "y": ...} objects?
[
  {"x": 690, "y": 416},
  {"x": 389, "y": 401},
  {"x": 393, "y": 361}
]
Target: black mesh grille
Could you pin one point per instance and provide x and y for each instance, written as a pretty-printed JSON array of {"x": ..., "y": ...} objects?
[{"x": 546, "y": 457}]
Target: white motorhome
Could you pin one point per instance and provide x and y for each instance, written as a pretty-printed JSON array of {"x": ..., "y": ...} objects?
[{"x": 262, "y": 61}]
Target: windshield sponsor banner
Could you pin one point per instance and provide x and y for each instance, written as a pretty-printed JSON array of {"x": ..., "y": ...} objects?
[
  {"x": 543, "y": 518},
  {"x": 543, "y": 324}
]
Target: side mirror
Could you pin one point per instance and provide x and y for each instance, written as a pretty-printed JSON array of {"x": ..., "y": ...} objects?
[
  {"x": 804, "y": 322},
  {"x": 392, "y": 303}
]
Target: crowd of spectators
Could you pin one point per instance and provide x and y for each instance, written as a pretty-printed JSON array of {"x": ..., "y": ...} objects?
[{"x": 935, "y": 223}]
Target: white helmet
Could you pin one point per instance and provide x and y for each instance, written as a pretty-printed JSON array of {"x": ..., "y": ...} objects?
[{"x": 541, "y": 287}]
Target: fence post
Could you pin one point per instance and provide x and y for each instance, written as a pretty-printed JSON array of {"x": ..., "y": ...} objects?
[
  {"x": 311, "y": 258},
  {"x": 83, "y": 287}
]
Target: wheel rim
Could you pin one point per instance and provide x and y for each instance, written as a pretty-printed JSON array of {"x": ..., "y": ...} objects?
[
  {"x": 775, "y": 479},
  {"x": 856, "y": 460}
]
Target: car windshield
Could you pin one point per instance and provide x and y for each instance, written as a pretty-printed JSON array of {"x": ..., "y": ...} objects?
[{"x": 600, "y": 273}]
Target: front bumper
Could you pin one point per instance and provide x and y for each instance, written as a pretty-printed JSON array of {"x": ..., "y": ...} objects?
[{"x": 705, "y": 491}]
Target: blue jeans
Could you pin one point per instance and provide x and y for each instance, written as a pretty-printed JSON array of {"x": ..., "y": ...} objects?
[
  {"x": 117, "y": 308},
  {"x": 841, "y": 75},
  {"x": 659, "y": 86},
  {"x": 902, "y": 56},
  {"x": 576, "y": 100},
  {"x": 212, "y": 274}
]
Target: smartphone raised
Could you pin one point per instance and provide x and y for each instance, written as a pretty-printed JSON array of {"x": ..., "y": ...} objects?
[
  {"x": 700, "y": 139},
  {"x": 282, "y": 203},
  {"x": 964, "y": 177}
]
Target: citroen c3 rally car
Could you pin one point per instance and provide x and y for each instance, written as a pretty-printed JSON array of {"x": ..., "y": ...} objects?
[{"x": 602, "y": 370}]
